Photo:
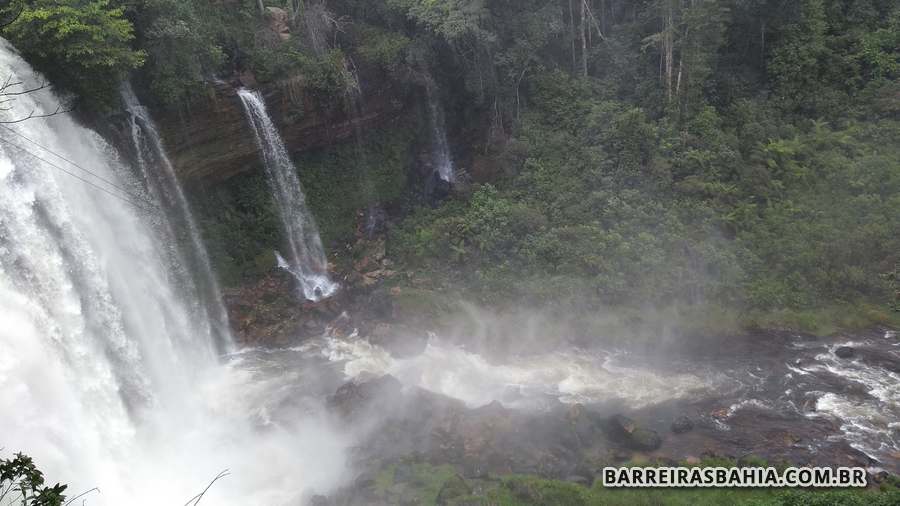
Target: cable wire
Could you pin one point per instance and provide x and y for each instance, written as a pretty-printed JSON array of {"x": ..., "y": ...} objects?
[
  {"x": 86, "y": 181},
  {"x": 61, "y": 157}
]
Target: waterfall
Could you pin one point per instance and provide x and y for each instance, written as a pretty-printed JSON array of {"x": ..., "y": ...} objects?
[
  {"x": 440, "y": 153},
  {"x": 306, "y": 258},
  {"x": 179, "y": 229},
  {"x": 108, "y": 378}
]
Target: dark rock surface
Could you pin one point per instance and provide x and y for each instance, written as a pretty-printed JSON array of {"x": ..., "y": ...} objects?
[
  {"x": 682, "y": 424},
  {"x": 212, "y": 141},
  {"x": 845, "y": 352}
]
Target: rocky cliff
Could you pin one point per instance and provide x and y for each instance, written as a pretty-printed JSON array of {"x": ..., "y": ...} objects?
[{"x": 212, "y": 142}]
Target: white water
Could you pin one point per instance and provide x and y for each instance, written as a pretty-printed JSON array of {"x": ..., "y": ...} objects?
[
  {"x": 440, "y": 153},
  {"x": 871, "y": 422},
  {"x": 306, "y": 258},
  {"x": 180, "y": 228},
  {"x": 523, "y": 382},
  {"x": 107, "y": 379}
]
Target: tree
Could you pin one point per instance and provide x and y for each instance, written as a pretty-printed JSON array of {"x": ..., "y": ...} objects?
[
  {"x": 83, "y": 46},
  {"x": 21, "y": 481}
]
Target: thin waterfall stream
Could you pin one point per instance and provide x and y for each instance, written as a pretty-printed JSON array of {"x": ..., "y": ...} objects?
[
  {"x": 441, "y": 157},
  {"x": 305, "y": 258}
]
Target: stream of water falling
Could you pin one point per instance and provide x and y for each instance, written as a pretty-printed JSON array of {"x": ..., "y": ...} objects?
[
  {"x": 306, "y": 258},
  {"x": 441, "y": 157},
  {"x": 179, "y": 229},
  {"x": 107, "y": 377}
]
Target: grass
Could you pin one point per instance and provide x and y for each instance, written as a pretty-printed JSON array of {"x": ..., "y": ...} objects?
[{"x": 421, "y": 484}]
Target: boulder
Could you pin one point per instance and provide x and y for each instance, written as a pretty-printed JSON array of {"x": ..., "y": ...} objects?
[
  {"x": 279, "y": 22},
  {"x": 682, "y": 424},
  {"x": 356, "y": 396},
  {"x": 623, "y": 424},
  {"x": 626, "y": 431},
  {"x": 844, "y": 352},
  {"x": 645, "y": 439}
]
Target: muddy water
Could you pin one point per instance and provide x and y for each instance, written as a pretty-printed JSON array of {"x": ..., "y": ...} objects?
[{"x": 777, "y": 395}]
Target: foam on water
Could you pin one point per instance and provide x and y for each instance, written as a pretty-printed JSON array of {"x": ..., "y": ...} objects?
[
  {"x": 867, "y": 421},
  {"x": 519, "y": 381}
]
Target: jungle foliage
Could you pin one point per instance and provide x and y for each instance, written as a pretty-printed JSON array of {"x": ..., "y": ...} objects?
[{"x": 616, "y": 152}]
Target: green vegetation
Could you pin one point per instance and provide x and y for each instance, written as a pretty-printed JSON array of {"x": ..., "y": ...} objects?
[
  {"x": 22, "y": 483},
  {"x": 423, "y": 484},
  {"x": 420, "y": 483},
  {"x": 82, "y": 45},
  {"x": 700, "y": 165},
  {"x": 737, "y": 156}
]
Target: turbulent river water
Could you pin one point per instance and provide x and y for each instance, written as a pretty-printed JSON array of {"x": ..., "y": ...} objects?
[{"x": 779, "y": 396}]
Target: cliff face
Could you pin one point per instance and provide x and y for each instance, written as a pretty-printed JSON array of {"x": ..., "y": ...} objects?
[{"x": 212, "y": 142}]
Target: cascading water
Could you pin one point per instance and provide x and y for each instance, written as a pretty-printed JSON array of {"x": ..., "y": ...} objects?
[
  {"x": 179, "y": 229},
  {"x": 306, "y": 258},
  {"x": 441, "y": 156},
  {"x": 107, "y": 378}
]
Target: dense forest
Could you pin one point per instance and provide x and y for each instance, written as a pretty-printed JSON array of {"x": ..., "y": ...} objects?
[{"x": 734, "y": 155}]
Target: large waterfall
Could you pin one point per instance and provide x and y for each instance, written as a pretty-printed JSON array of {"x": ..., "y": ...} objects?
[
  {"x": 306, "y": 258},
  {"x": 107, "y": 376},
  {"x": 179, "y": 229}
]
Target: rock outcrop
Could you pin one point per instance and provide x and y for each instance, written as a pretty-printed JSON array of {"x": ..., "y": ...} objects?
[{"x": 212, "y": 141}]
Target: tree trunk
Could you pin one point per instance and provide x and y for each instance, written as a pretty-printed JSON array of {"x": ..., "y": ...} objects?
[
  {"x": 669, "y": 47},
  {"x": 572, "y": 36},
  {"x": 584, "y": 47}
]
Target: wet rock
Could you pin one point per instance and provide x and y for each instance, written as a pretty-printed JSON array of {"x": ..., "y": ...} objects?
[
  {"x": 319, "y": 500},
  {"x": 381, "y": 303},
  {"x": 879, "y": 476},
  {"x": 437, "y": 190},
  {"x": 453, "y": 488},
  {"x": 645, "y": 439},
  {"x": 279, "y": 22},
  {"x": 373, "y": 222},
  {"x": 364, "y": 480},
  {"x": 247, "y": 79},
  {"x": 845, "y": 352},
  {"x": 342, "y": 326},
  {"x": 354, "y": 396},
  {"x": 682, "y": 424},
  {"x": 623, "y": 424},
  {"x": 626, "y": 431}
]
